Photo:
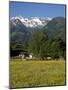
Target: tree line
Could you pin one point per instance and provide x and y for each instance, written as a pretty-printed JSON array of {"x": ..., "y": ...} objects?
[{"x": 41, "y": 46}]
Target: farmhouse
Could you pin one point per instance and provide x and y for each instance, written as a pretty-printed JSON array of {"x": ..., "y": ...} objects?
[{"x": 25, "y": 55}]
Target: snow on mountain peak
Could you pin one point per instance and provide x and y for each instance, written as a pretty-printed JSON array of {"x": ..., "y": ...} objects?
[{"x": 32, "y": 21}]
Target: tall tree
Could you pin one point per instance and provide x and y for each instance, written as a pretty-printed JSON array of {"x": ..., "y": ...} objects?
[{"x": 37, "y": 43}]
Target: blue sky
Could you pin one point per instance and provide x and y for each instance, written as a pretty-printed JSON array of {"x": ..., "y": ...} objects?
[{"x": 27, "y": 9}]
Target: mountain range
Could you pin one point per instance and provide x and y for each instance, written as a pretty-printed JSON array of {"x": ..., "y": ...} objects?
[
  {"x": 21, "y": 28},
  {"x": 31, "y": 22}
]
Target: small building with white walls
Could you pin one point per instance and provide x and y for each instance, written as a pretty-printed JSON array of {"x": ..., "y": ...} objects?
[{"x": 25, "y": 55}]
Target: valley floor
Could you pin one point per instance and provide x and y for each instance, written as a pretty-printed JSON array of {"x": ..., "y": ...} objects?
[{"x": 36, "y": 73}]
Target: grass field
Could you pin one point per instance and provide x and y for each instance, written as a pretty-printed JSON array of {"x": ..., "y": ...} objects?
[{"x": 36, "y": 73}]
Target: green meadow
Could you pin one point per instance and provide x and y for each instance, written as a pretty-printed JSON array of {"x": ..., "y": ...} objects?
[{"x": 36, "y": 73}]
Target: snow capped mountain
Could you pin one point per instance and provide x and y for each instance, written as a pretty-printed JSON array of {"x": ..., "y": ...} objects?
[{"x": 31, "y": 22}]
